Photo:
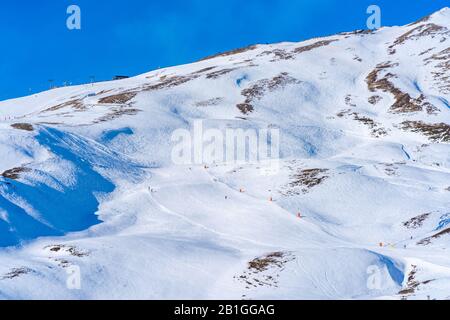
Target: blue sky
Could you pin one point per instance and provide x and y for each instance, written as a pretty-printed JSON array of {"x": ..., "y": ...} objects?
[{"x": 135, "y": 36}]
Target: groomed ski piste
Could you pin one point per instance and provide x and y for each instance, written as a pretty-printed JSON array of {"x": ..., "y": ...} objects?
[{"x": 358, "y": 209}]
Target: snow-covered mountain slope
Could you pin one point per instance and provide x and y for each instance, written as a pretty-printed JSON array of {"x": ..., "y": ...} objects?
[{"x": 364, "y": 119}]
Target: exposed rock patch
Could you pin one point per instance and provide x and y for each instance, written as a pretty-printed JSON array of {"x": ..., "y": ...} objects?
[
  {"x": 16, "y": 272},
  {"x": 23, "y": 126},
  {"x": 210, "y": 102},
  {"x": 418, "y": 32},
  {"x": 428, "y": 240},
  {"x": 278, "y": 54},
  {"x": 304, "y": 180},
  {"x": 416, "y": 222},
  {"x": 318, "y": 44},
  {"x": 218, "y": 73},
  {"x": 374, "y": 99},
  {"x": 257, "y": 90},
  {"x": 75, "y": 104},
  {"x": 436, "y": 132},
  {"x": 121, "y": 98},
  {"x": 230, "y": 53},
  {"x": 14, "y": 173},
  {"x": 66, "y": 249},
  {"x": 265, "y": 271},
  {"x": 376, "y": 129},
  {"x": 404, "y": 103},
  {"x": 412, "y": 284},
  {"x": 117, "y": 112},
  {"x": 441, "y": 73}
]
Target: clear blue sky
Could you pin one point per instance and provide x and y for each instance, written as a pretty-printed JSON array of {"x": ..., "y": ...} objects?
[{"x": 135, "y": 36}]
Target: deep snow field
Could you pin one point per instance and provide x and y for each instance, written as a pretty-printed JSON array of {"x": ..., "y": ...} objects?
[{"x": 88, "y": 181}]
